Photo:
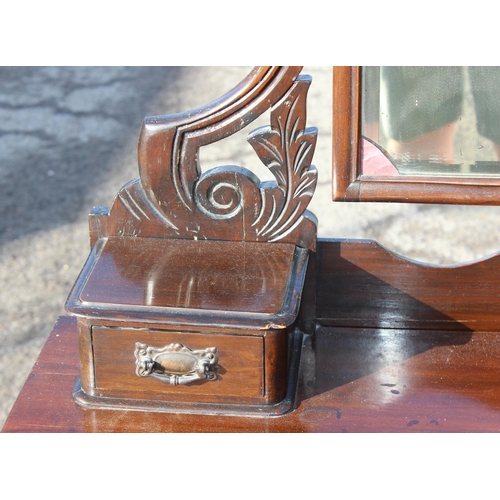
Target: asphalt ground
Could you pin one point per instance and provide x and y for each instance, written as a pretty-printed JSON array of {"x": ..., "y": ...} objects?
[{"x": 68, "y": 140}]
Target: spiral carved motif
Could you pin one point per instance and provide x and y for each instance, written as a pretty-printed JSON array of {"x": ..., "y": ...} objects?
[{"x": 221, "y": 193}]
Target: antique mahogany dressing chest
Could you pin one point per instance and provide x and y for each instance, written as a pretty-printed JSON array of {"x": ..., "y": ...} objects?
[
  {"x": 207, "y": 300},
  {"x": 190, "y": 298}
]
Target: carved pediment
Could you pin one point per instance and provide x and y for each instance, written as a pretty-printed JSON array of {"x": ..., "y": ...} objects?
[{"x": 173, "y": 199}]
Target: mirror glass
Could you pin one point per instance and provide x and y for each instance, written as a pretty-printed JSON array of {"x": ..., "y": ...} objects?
[{"x": 431, "y": 120}]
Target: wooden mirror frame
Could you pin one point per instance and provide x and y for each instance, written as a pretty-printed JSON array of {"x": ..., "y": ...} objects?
[{"x": 350, "y": 185}]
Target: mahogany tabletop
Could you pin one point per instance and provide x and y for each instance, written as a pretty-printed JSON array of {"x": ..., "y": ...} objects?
[{"x": 351, "y": 380}]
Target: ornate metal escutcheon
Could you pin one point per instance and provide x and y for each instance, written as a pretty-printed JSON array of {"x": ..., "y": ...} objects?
[{"x": 176, "y": 364}]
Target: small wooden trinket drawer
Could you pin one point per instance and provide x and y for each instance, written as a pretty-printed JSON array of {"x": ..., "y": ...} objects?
[
  {"x": 166, "y": 322},
  {"x": 190, "y": 296}
]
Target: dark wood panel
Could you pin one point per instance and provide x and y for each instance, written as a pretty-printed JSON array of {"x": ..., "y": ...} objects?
[
  {"x": 245, "y": 284},
  {"x": 241, "y": 365},
  {"x": 209, "y": 275},
  {"x": 361, "y": 284},
  {"x": 414, "y": 349},
  {"x": 352, "y": 380}
]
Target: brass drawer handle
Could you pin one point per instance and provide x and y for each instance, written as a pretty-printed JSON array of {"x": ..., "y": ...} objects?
[{"x": 176, "y": 364}]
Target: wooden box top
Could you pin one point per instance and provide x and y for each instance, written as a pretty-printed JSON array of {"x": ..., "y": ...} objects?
[{"x": 244, "y": 284}]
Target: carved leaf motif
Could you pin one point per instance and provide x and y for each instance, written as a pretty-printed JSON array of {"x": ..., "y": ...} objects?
[
  {"x": 287, "y": 148},
  {"x": 268, "y": 146}
]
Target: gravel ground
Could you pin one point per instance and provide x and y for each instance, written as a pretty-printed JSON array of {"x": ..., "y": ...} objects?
[{"x": 68, "y": 139}]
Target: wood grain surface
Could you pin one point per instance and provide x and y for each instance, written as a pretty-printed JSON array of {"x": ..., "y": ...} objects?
[
  {"x": 351, "y": 380},
  {"x": 399, "y": 347},
  {"x": 209, "y": 275},
  {"x": 345, "y": 132},
  {"x": 241, "y": 365},
  {"x": 360, "y": 284},
  {"x": 209, "y": 283}
]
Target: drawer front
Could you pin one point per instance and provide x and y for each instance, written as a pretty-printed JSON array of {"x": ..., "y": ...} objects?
[{"x": 239, "y": 372}]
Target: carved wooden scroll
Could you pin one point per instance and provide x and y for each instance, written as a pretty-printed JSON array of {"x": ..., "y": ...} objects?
[{"x": 172, "y": 199}]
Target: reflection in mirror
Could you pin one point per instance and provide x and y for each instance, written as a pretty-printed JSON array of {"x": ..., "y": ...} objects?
[{"x": 431, "y": 120}]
